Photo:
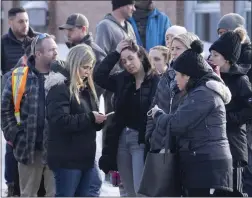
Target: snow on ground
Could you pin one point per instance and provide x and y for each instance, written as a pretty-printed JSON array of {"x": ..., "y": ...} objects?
[{"x": 107, "y": 189}]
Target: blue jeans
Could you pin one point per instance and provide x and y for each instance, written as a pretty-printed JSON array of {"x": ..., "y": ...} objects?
[
  {"x": 96, "y": 182},
  {"x": 72, "y": 182},
  {"x": 130, "y": 162},
  {"x": 11, "y": 167}
]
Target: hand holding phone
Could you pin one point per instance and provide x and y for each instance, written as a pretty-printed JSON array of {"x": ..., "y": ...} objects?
[
  {"x": 111, "y": 113},
  {"x": 99, "y": 118}
]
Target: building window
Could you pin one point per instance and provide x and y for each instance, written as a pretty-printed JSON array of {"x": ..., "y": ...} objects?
[
  {"x": 38, "y": 14},
  {"x": 202, "y": 17},
  {"x": 205, "y": 26},
  {"x": 248, "y": 23},
  {"x": 244, "y": 9}
]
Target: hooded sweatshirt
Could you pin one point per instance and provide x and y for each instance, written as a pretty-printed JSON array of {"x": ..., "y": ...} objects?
[{"x": 109, "y": 33}]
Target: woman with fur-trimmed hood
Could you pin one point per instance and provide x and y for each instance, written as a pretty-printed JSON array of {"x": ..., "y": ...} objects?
[
  {"x": 199, "y": 123},
  {"x": 73, "y": 119}
]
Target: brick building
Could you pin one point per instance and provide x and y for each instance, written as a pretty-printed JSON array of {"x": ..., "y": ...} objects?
[{"x": 199, "y": 16}]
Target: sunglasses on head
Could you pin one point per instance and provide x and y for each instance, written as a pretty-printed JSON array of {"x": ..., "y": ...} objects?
[{"x": 39, "y": 37}]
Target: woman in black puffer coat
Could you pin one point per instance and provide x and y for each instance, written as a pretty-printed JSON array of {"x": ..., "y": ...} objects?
[
  {"x": 73, "y": 119},
  {"x": 225, "y": 53},
  {"x": 167, "y": 95}
]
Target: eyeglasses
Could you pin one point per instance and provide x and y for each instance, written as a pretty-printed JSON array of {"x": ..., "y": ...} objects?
[{"x": 37, "y": 38}]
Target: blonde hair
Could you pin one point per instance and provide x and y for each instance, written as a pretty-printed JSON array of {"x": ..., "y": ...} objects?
[
  {"x": 164, "y": 50},
  {"x": 78, "y": 56},
  {"x": 186, "y": 39}
]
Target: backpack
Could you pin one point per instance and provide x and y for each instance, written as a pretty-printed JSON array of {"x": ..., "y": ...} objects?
[{"x": 18, "y": 81}]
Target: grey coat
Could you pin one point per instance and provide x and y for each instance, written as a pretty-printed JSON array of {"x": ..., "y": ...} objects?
[
  {"x": 109, "y": 33},
  {"x": 200, "y": 126},
  {"x": 167, "y": 97}
]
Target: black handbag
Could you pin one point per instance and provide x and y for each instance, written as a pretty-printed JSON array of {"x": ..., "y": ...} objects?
[{"x": 161, "y": 176}]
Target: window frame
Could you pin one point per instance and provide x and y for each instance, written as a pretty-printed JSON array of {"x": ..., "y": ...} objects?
[
  {"x": 193, "y": 7},
  {"x": 242, "y": 7}
]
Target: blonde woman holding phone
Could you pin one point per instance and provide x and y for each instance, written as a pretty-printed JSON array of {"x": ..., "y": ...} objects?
[{"x": 73, "y": 119}]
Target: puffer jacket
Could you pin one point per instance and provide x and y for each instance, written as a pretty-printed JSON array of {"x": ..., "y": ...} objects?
[
  {"x": 71, "y": 126},
  {"x": 199, "y": 123},
  {"x": 239, "y": 111},
  {"x": 167, "y": 97},
  {"x": 12, "y": 49}
]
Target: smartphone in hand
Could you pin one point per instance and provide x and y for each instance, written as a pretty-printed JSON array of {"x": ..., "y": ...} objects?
[{"x": 111, "y": 113}]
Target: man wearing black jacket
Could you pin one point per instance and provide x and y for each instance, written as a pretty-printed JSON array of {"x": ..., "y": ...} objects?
[
  {"x": 18, "y": 35},
  {"x": 77, "y": 31},
  {"x": 12, "y": 49}
]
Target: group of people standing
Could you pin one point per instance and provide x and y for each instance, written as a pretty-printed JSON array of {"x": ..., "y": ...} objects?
[{"x": 155, "y": 82}]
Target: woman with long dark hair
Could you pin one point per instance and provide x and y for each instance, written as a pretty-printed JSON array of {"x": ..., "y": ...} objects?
[{"x": 134, "y": 89}]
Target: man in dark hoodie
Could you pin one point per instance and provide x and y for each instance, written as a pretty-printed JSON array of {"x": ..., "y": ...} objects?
[
  {"x": 29, "y": 137},
  {"x": 12, "y": 49},
  {"x": 230, "y": 22},
  {"x": 77, "y": 31}
]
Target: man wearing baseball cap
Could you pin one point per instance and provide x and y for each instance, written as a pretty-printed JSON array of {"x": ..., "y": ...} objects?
[{"x": 77, "y": 32}]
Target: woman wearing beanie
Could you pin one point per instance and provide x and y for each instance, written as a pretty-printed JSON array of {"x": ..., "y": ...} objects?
[
  {"x": 173, "y": 31},
  {"x": 134, "y": 89},
  {"x": 225, "y": 53},
  {"x": 199, "y": 124},
  {"x": 168, "y": 96}
]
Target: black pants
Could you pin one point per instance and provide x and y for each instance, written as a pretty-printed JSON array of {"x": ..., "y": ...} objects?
[
  {"x": 237, "y": 185},
  {"x": 205, "y": 192},
  {"x": 198, "y": 192},
  {"x": 108, "y": 108}
]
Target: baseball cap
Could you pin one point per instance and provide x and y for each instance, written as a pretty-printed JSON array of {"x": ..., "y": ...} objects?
[{"x": 75, "y": 20}]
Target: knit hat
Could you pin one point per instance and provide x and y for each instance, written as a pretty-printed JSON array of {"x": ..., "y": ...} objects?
[
  {"x": 191, "y": 62},
  {"x": 186, "y": 38},
  {"x": 120, "y": 3},
  {"x": 176, "y": 30},
  {"x": 229, "y": 44},
  {"x": 231, "y": 21}
]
